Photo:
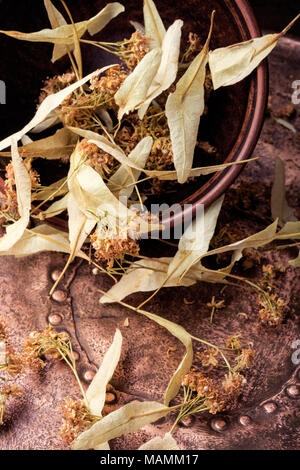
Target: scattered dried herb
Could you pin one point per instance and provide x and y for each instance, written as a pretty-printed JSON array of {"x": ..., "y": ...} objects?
[{"x": 131, "y": 130}]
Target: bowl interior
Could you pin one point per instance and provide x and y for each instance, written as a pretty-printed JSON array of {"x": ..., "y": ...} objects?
[{"x": 25, "y": 65}]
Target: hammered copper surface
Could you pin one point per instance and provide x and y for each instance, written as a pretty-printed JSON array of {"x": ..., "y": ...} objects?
[{"x": 267, "y": 415}]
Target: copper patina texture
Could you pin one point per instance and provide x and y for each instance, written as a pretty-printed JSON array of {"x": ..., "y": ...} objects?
[{"x": 267, "y": 415}]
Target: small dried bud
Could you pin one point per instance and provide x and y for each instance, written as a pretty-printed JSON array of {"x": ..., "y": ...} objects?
[
  {"x": 76, "y": 419},
  {"x": 208, "y": 358},
  {"x": 233, "y": 384},
  {"x": 109, "y": 249},
  {"x": 245, "y": 359}
]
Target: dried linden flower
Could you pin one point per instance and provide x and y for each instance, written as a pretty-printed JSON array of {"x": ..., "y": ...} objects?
[
  {"x": 49, "y": 343},
  {"x": 133, "y": 50},
  {"x": 233, "y": 342},
  {"x": 8, "y": 199},
  {"x": 55, "y": 84},
  {"x": 208, "y": 358},
  {"x": 99, "y": 160},
  {"x": 76, "y": 419},
  {"x": 272, "y": 312},
  {"x": 245, "y": 359},
  {"x": 6, "y": 393},
  {"x": 110, "y": 82},
  {"x": 111, "y": 249},
  {"x": 233, "y": 384}
]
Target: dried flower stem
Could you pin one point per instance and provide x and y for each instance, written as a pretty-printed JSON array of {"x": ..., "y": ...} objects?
[
  {"x": 70, "y": 259},
  {"x": 149, "y": 315},
  {"x": 189, "y": 406},
  {"x": 69, "y": 359},
  {"x": 79, "y": 57}
]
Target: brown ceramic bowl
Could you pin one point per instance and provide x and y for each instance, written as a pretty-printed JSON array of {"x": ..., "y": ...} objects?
[{"x": 235, "y": 115}]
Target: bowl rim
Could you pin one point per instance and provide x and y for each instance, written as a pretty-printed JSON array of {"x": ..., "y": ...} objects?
[
  {"x": 248, "y": 135},
  {"x": 247, "y": 138}
]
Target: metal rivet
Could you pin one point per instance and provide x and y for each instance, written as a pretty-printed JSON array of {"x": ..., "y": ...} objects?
[
  {"x": 88, "y": 375},
  {"x": 187, "y": 422},
  {"x": 110, "y": 398},
  {"x": 245, "y": 420},
  {"x": 270, "y": 407},
  {"x": 76, "y": 355},
  {"x": 59, "y": 295},
  {"x": 55, "y": 274},
  {"x": 55, "y": 319},
  {"x": 293, "y": 391},
  {"x": 219, "y": 424},
  {"x": 64, "y": 335}
]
